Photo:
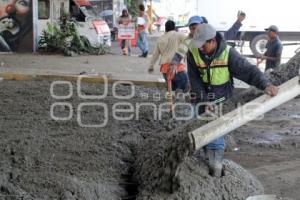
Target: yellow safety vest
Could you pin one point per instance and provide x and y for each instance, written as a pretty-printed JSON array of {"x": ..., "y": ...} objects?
[{"x": 219, "y": 72}]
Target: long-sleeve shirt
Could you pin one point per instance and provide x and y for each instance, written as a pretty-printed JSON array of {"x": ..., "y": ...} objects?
[
  {"x": 232, "y": 33},
  {"x": 166, "y": 47}
]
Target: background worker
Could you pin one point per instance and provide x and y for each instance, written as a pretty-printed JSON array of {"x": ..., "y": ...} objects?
[
  {"x": 125, "y": 19},
  {"x": 274, "y": 49},
  {"x": 183, "y": 48},
  {"x": 164, "y": 50},
  {"x": 232, "y": 33},
  {"x": 211, "y": 66}
]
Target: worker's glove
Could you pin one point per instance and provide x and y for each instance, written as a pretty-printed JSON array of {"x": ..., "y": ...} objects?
[
  {"x": 258, "y": 61},
  {"x": 241, "y": 15}
]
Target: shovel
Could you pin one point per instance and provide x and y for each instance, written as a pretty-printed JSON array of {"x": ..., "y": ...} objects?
[
  {"x": 170, "y": 96},
  {"x": 170, "y": 76}
]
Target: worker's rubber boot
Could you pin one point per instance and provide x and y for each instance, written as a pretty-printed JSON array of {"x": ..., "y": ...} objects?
[{"x": 215, "y": 161}]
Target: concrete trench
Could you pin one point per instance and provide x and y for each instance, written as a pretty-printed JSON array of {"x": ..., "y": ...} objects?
[
  {"x": 128, "y": 182},
  {"x": 46, "y": 159}
]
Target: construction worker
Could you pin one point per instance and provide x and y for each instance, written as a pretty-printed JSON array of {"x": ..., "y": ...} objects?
[
  {"x": 274, "y": 49},
  {"x": 165, "y": 49},
  {"x": 211, "y": 66}
]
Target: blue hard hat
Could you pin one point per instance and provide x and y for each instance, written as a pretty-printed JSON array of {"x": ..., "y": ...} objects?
[{"x": 195, "y": 20}]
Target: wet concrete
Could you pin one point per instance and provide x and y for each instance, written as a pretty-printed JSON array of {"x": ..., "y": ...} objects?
[
  {"x": 163, "y": 173},
  {"x": 42, "y": 158}
]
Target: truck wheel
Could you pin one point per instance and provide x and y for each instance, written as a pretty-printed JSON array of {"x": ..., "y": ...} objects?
[{"x": 258, "y": 44}]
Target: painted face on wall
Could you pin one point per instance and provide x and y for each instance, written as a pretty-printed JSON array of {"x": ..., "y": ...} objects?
[
  {"x": 15, "y": 20},
  {"x": 5, "y": 7},
  {"x": 21, "y": 7}
]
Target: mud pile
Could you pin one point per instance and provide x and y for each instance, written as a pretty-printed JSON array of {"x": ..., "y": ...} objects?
[
  {"x": 191, "y": 180},
  {"x": 195, "y": 183},
  {"x": 166, "y": 158}
]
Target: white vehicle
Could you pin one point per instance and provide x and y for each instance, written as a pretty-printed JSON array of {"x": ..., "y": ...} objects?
[
  {"x": 89, "y": 25},
  {"x": 260, "y": 14}
]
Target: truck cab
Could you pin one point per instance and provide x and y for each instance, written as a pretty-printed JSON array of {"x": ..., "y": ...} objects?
[
  {"x": 259, "y": 15},
  {"x": 88, "y": 24}
]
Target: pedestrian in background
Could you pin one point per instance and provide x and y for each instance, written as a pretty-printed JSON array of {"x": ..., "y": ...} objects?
[
  {"x": 144, "y": 15},
  {"x": 143, "y": 25},
  {"x": 125, "y": 19},
  {"x": 274, "y": 49},
  {"x": 142, "y": 41}
]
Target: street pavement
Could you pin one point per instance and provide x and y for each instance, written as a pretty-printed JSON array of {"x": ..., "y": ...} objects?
[{"x": 114, "y": 65}]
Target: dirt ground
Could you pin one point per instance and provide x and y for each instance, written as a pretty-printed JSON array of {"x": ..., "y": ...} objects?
[
  {"x": 46, "y": 159},
  {"x": 269, "y": 148}
]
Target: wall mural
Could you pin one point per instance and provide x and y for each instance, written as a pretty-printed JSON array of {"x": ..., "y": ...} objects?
[{"x": 16, "y": 32}]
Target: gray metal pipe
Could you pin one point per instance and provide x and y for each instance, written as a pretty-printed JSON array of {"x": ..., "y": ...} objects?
[{"x": 238, "y": 117}]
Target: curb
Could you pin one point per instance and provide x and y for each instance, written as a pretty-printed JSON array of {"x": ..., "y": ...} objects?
[{"x": 74, "y": 78}]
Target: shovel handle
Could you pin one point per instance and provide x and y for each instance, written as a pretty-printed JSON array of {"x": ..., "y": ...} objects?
[{"x": 170, "y": 98}]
